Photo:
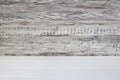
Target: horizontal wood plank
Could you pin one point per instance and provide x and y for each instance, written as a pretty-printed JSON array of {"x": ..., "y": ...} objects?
[{"x": 60, "y": 27}]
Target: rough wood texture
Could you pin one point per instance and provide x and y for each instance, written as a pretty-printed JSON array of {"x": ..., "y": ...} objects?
[{"x": 60, "y": 27}]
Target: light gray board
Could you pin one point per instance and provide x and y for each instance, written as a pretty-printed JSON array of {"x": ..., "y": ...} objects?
[
  {"x": 59, "y": 27},
  {"x": 59, "y": 10},
  {"x": 59, "y": 68}
]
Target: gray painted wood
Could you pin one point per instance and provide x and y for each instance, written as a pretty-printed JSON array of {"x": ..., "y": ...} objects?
[{"x": 59, "y": 27}]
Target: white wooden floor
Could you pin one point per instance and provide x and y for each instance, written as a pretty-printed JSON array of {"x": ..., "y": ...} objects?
[{"x": 59, "y": 68}]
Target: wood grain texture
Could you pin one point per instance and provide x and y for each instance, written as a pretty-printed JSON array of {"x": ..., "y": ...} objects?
[{"x": 60, "y": 27}]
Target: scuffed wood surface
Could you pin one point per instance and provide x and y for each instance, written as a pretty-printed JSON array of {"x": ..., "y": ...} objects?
[{"x": 59, "y": 27}]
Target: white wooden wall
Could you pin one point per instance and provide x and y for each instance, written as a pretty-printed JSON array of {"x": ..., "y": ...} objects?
[{"x": 60, "y": 27}]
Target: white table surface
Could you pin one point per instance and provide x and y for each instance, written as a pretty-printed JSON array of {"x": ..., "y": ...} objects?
[{"x": 59, "y": 68}]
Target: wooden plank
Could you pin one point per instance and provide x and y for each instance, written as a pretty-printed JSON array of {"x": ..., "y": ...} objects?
[
  {"x": 59, "y": 27},
  {"x": 59, "y": 10}
]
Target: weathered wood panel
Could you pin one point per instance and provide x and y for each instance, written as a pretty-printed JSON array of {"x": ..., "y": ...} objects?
[{"x": 59, "y": 27}]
